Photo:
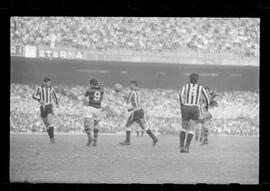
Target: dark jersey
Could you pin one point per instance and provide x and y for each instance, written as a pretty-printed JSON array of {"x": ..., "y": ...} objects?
[{"x": 95, "y": 96}]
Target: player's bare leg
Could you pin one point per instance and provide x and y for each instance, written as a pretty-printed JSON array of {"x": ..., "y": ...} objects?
[
  {"x": 96, "y": 130},
  {"x": 142, "y": 132},
  {"x": 138, "y": 132},
  {"x": 88, "y": 131},
  {"x": 190, "y": 134},
  {"x": 148, "y": 131},
  {"x": 183, "y": 135}
]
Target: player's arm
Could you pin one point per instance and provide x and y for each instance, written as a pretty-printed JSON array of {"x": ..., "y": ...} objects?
[
  {"x": 129, "y": 97},
  {"x": 86, "y": 93},
  {"x": 181, "y": 95},
  {"x": 36, "y": 94},
  {"x": 54, "y": 96},
  {"x": 206, "y": 97}
]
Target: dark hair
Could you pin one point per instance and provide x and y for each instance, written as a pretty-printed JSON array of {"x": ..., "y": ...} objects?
[
  {"x": 193, "y": 78},
  {"x": 46, "y": 79},
  {"x": 134, "y": 82},
  {"x": 93, "y": 82}
]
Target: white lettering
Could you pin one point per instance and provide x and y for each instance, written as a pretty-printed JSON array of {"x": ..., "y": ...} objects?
[
  {"x": 70, "y": 54},
  {"x": 79, "y": 55},
  {"x": 55, "y": 54},
  {"x": 63, "y": 54},
  {"x": 49, "y": 53},
  {"x": 41, "y": 53}
]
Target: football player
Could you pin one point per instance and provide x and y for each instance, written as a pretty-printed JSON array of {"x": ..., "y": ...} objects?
[
  {"x": 93, "y": 110},
  {"x": 190, "y": 96},
  {"x": 206, "y": 116},
  {"x": 45, "y": 94},
  {"x": 136, "y": 114}
]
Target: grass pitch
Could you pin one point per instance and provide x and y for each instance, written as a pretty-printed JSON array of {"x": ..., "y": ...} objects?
[{"x": 224, "y": 160}]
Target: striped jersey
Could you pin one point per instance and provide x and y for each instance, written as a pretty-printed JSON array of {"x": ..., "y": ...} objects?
[
  {"x": 45, "y": 94},
  {"x": 95, "y": 96},
  {"x": 191, "y": 95},
  {"x": 133, "y": 99}
]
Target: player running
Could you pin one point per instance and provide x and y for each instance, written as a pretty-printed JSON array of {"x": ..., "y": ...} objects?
[
  {"x": 136, "y": 114},
  {"x": 190, "y": 96},
  {"x": 44, "y": 94},
  {"x": 92, "y": 110}
]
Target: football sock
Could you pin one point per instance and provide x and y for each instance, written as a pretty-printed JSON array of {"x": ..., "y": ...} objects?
[
  {"x": 205, "y": 134},
  {"x": 128, "y": 136},
  {"x": 202, "y": 134},
  {"x": 88, "y": 132},
  {"x": 189, "y": 138},
  {"x": 150, "y": 133},
  {"x": 182, "y": 137},
  {"x": 95, "y": 134},
  {"x": 49, "y": 132},
  {"x": 52, "y": 131},
  {"x": 196, "y": 136}
]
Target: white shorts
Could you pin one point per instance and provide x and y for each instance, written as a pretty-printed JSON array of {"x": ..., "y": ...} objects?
[{"x": 92, "y": 112}]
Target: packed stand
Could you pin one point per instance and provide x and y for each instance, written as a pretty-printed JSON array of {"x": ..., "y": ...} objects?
[
  {"x": 237, "y": 113},
  {"x": 240, "y": 35}
]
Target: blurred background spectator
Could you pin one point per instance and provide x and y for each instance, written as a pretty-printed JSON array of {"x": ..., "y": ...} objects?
[
  {"x": 238, "y": 35},
  {"x": 237, "y": 114}
]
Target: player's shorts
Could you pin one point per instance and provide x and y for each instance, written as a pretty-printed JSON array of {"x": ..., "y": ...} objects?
[
  {"x": 45, "y": 110},
  {"x": 135, "y": 116},
  {"x": 92, "y": 112},
  {"x": 190, "y": 112}
]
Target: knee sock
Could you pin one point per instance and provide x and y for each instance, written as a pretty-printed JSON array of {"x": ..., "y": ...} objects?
[
  {"x": 150, "y": 133},
  {"x": 182, "y": 137},
  {"x": 96, "y": 133},
  {"x": 88, "y": 132},
  {"x": 189, "y": 138},
  {"x": 205, "y": 134},
  {"x": 50, "y": 131}
]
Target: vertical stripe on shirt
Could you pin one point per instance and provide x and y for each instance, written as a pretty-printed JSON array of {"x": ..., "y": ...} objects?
[
  {"x": 187, "y": 94},
  {"x": 197, "y": 95},
  {"x": 45, "y": 95},
  {"x": 193, "y": 94}
]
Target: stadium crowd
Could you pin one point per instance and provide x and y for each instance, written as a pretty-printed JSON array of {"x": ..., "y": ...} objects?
[
  {"x": 240, "y": 35},
  {"x": 237, "y": 113}
]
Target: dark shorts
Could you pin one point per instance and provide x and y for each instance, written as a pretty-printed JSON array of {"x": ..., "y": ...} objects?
[
  {"x": 190, "y": 112},
  {"x": 135, "y": 116},
  {"x": 44, "y": 111}
]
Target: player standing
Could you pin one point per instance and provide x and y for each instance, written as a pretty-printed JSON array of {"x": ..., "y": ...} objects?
[
  {"x": 206, "y": 116},
  {"x": 136, "y": 114},
  {"x": 92, "y": 110},
  {"x": 189, "y": 102},
  {"x": 44, "y": 95}
]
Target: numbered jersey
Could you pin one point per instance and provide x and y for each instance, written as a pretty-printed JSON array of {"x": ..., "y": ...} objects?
[{"x": 95, "y": 96}]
